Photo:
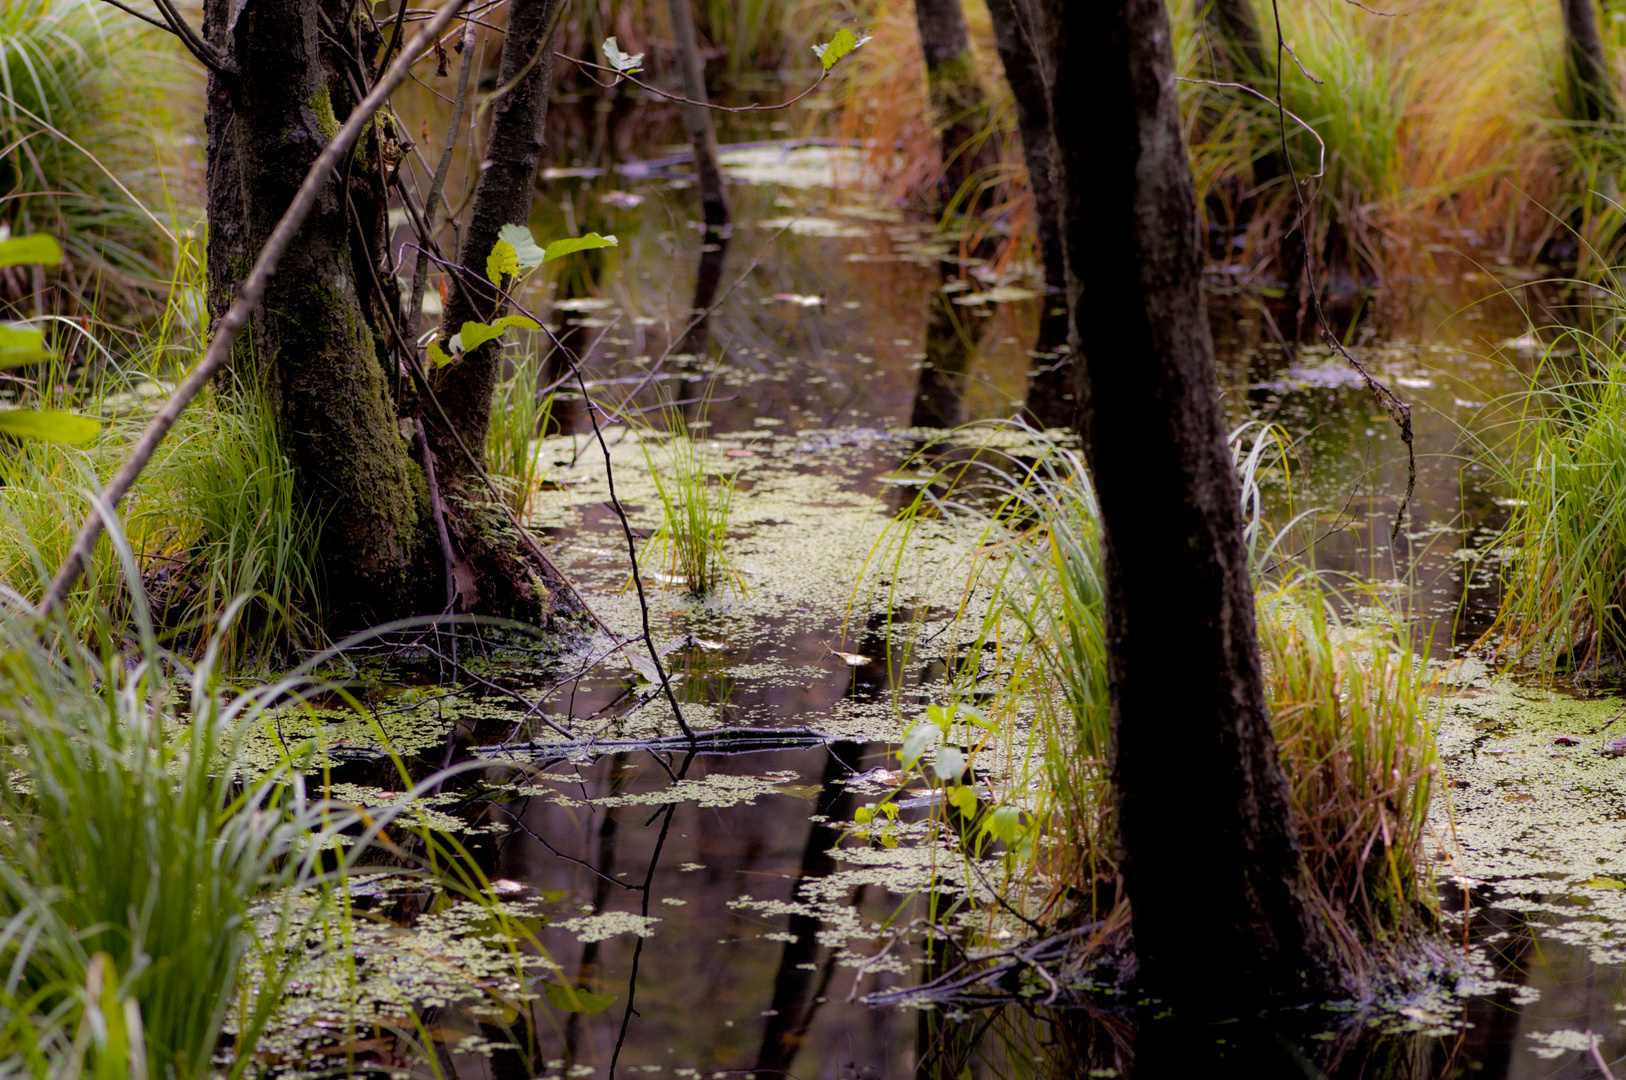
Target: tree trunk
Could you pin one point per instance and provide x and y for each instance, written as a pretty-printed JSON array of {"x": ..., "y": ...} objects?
[
  {"x": 1018, "y": 34},
  {"x": 502, "y": 197},
  {"x": 312, "y": 344},
  {"x": 697, "y": 117},
  {"x": 1592, "y": 96},
  {"x": 957, "y": 101},
  {"x": 1223, "y": 912}
]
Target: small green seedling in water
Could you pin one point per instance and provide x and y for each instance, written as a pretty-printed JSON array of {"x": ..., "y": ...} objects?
[
  {"x": 866, "y": 817},
  {"x": 514, "y": 255}
]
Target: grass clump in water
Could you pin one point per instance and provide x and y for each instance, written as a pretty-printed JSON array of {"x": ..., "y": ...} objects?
[
  {"x": 1349, "y": 698},
  {"x": 1564, "y": 578},
  {"x": 696, "y": 502}
]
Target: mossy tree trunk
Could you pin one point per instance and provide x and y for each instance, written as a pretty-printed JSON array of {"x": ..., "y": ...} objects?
[
  {"x": 1224, "y": 913},
  {"x": 1592, "y": 97},
  {"x": 697, "y": 117},
  {"x": 312, "y": 347},
  {"x": 958, "y": 104},
  {"x": 321, "y": 335}
]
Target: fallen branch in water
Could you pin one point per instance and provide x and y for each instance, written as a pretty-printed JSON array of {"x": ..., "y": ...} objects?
[{"x": 715, "y": 741}]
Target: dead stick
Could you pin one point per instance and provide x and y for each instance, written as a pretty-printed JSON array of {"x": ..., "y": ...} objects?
[{"x": 248, "y": 297}]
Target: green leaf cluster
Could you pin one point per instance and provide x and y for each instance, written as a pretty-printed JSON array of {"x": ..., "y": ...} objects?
[
  {"x": 833, "y": 50},
  {"x": 22, "y": 344}
]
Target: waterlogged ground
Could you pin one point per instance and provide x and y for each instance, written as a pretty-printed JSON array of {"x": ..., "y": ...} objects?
[{"x": 700, "y": 914}]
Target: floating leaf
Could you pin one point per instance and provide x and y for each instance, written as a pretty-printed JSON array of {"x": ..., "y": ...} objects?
[
  {"x": 21, "y": 345},
  {"x": 48, "y": 425},
  {"x": 620, "y": 60},
  {"x": 572, "y": 244},
  {"x": 526, "y": 253},
  {"x": 915, "y": 743},
  {"x": 843, "y": 43},
  {"x": 949, "y": 765},
  {"x": 503, "y": 260},
  {"x": 28, "y": 250},
  {"x": 1611, "y": 884},
  {"x": 577, "y": 1001}
]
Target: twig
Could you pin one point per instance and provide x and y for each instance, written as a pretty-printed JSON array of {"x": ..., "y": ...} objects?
[
  {"x": 420, "y": 269},
  {"x": 1398, "y": 411},
  {"x": 632, "y": 553},
  {"x": 621, "y": 76},
  {"x": 437, "y": 508},
  {"x": 1597, "y": 1056},
  {"x": 238, "y": 314}
]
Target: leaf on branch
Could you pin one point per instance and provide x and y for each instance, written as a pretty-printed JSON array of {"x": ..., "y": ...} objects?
[
  {"x": 524, "y": 322},
  {"x": 949, "y": 764},
  {"x": 526, "y": 254},
  {"x": 619, "y": 60},
  {"x": 475, "y": 334},
  {"x": 843, "y": 43},
  {"x": 48, "y": 425},
  {"x": 920, "y": 737},
  {"x": 438, "y": 354},
  {"x": 572, "y": 244},
  {"x": 28, "y": 250},
  {"x": 21, "y": 345},
  {"x": 504, "y": 259}
]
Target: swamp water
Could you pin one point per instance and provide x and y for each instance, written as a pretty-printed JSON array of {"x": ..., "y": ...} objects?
[{"x": 703, "y": 904}]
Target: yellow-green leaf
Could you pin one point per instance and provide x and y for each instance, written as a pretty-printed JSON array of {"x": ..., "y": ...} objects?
[
  {"x": 582, "y": 1001},
  {"x": 524, "y": 322},
  {"x": 438, "y": 354},
  {"x": 47, "y": 425},
  {"x": 21, "y": 345},
  {"x": 843, "y": 43},
  {"x": 520, "y": 239},
  {"x": 475, "y": 334},
  {"x": 27, "y": 250},
  {"x": 572, "y": 244},
  {"x": 502, "y": 260}
]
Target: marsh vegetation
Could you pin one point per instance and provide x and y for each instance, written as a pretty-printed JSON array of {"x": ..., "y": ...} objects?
[{"x": 566, "y": 539}]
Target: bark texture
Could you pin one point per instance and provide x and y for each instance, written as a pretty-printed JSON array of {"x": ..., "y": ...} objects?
[
  {"x": 1223, "y": 912},
  {"x": 502, "y": 197},
  {"x": 957, "y": 100},
  {"x": 1586, "y": 66},
  {"x": 697, "y": 117},
  {"x": 312, "y": 344}
]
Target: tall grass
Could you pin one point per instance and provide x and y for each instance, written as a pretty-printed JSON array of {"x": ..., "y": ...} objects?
[
  {"x": 135, "y": 847},
  {"x": 1564, "y": 574},
  {"x": 77, "y": 72},
  {"x": 519, "y": 416},
  {"x": 696, "y": 503}
]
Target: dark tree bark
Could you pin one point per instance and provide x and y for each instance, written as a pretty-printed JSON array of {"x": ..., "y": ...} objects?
[
  {"x": 312, "y": 344},
  {"x": 697, "y": 118},
  {"x": 1592, "y": 97},
  {"x": 1223, "y": 911},
  {"x": 958, "y": 104},
  {"x": 1019, "y": 36},
  {"x": 502, "y": 197}
]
